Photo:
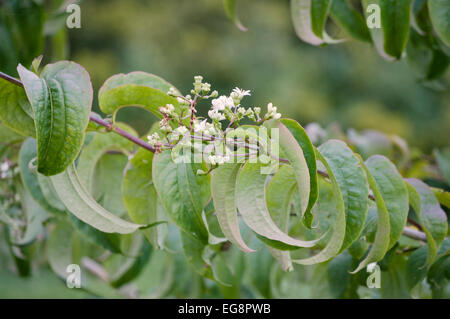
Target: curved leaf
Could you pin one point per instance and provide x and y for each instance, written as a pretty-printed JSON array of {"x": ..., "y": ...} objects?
[
  {"x": 139, "y": 89},
  {"x": 300, "y": 135},
  {"x": 223, "y": 191},
  {"x": 337, "y": 238},
  {"x": 15, "y": 110},
  {"x": 139, "y": 193},
  {"x": 294, "y": 153},
  {"x": 440, "y": 17},
  {"x": 28, "y": 152},
  {"x": 279, "y": 193},
  {"x": 61, "y": 100},
  {"x": 183, "y": 194},
  {"x": 382, "y": 237},
  {"x": 395, "y": 17},
  {"x": 80, "y": 203},
  {"x": 98, "y": 146},
  {"x": 250, "y": 199},
  {"x": 230, "y": 10},
  {"x": 348, "y": 18},
  {"x": 430, "y": 214},
  {"x": 309, "y": 17},
  {"x": 394, "y": 193},
  {"x": 353, "y": 184}
]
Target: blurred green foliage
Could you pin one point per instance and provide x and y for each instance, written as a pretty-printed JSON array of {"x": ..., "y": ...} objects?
[{"x": 348, "y": 83}]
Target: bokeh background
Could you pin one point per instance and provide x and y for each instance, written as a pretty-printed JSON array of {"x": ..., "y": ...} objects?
[{"x": 347, "y": 83}]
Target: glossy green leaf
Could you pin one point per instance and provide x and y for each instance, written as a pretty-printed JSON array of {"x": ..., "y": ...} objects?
[
  {"x": 230, "y": 10},
  {"x": 375, "y": 165},
  {"x": 15, "y": 110},
  {"x": 430, "y": 214},
  {"x": 139, "y": 194},
  {"x": 223, "y": 191},
  {"x": 61, "y": 100},
  {"x": 416, "y": 268},
  {"x": 80, "y": 203},
  {"x": 353, "y": 184},
  {"x": 349, "y": 19},
  {"x": 337, "y": 238},
  {"x": 27, "y": 153},
  {"x": 139, "y": 89},
  {"x": 299, "y": 133},
  {"x": 394, "y": 193},
  {"x": 395, "y": 17},
  {"x": 250, "y": 199},
  {"x": 440, "y": 17},
  {"x": 183, "y": 194}
]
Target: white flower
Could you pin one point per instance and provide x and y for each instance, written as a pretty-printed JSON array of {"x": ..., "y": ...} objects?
[
  {"x": 153, "y": 139},
  {"x": 222, "y": 102},
  {"x": 200, "y": 126},
  {"x": 242, "y": 111},
  {"x": 257, "y": 110},
  {"x": 239, "y": 93},
  {"x": 271, "y": 109},
  {"x": 181, "y": 130},
  {"x": 168, "y": 109},
  {"x": 198, "y": 78},
  {"x": 212, "y": 159},
  {"x": 172, "y": 92},
  {"x": 216, "y": 115}
]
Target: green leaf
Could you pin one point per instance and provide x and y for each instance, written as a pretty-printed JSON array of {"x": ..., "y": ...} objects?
[
  {"x": 395, "y": 17},
  {"x": 416, "y": 269},
  {"x": 393, "y": 192},
  {"x": 80, "y": 203},
  {"x": 223, "y": 191},
  {"x": 59, "y": 248},
  {"x": 139, "y": 194},
  {"x": 139, "y": 89},
  {"x": 183, "y": 194},
  {"x": 279, "y": 193},
  {"x": 299, "y": 133},
  {"x": 291, "y": 149},
  {"x": 205, "y": 261},
  {"x": 442, "y": 196},
  {"x": 440, "y": 17},
  {"x": 380, "y": 244},
  {"x": 8, "y": 136},
  {"x": 107, "y": 241},
  {"x": 250, "y": 199},
  {"x": 343, "y": 284},
  {"x": 99, "y": 145},
  {"x": 430, "y": 214},
  {"x": 309, "y": 17},
  {"x": 34, "y": 218},
  {"x": 353, "y": 184},
  {"x": 443, "y": 160},
  {"x": 230, "y": 10},
  {"x": 337, "y": 238},
  {"x": 15, "y": 110},
  {"x": 27, "y": 153},
  {"x": 61, "y": 100},
  {"x": 349, "y": 19}
]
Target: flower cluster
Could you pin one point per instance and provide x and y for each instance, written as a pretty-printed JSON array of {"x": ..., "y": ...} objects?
[{"x": 180, "y": 125}]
